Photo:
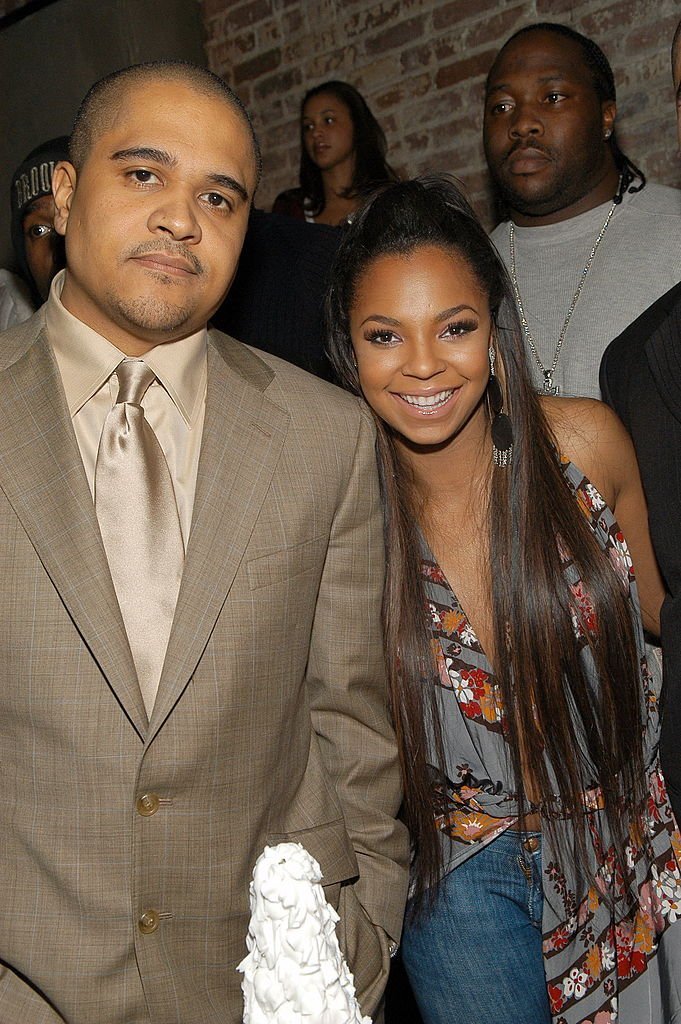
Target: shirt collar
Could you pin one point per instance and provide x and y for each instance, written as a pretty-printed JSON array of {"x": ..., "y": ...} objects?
[
  {"x": 86, "y": 360},
  {"x": 573, "y": 227}
]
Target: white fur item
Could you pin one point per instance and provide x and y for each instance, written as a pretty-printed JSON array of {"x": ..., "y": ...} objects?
[{"x": 294, "y": 972}]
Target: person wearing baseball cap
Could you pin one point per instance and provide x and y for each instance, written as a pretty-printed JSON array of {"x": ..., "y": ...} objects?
[{"x": 38, "y": 249}]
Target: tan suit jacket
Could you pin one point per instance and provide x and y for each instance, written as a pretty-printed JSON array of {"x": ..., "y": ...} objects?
[{"x": 126, "y": 848}]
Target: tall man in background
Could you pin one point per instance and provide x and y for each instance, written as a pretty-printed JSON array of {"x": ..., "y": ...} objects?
[
  {"x": 589, "y": 244},
  {"x": 191, "y": 550},
  {"x": 641, "y": 380}
]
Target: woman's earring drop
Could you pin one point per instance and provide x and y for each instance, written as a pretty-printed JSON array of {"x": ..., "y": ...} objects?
[{"x": 502, "y": 430}]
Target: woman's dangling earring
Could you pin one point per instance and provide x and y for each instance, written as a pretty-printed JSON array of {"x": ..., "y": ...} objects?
[{"x": 502, "y": 430}]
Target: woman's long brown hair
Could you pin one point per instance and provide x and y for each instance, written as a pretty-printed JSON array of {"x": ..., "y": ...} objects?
[{"x": 572, "y": 735}]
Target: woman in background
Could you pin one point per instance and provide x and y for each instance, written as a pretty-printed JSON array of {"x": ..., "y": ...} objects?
[
  {"x": 546, "y": 872},
  {"x": 342, "y": 156}
]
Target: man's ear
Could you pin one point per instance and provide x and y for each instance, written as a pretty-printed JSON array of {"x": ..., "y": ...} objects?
[
  {"x": 63, "y": 186},
  {"x": 608, "y": 115}
]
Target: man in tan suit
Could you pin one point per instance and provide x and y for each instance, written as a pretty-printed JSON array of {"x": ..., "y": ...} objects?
[{"x": 137, "y": 793}]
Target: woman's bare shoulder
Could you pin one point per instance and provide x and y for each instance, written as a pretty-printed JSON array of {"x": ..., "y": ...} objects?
[
  {"x": 590, "y": 434},
  {"x": 581, "y": 423}
]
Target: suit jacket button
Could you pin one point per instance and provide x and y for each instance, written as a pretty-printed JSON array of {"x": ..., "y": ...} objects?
[
  {"x": 148, "y": 921},
  {"x": 147, "y": 804}
]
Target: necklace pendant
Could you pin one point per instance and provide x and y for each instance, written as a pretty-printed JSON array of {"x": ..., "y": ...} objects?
[{"x": 548, "y": 387}]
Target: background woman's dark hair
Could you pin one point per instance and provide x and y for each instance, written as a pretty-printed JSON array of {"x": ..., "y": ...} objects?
[
  {"x": 371, "y": 166},
  {"x": 570, "y": 736},
  {"x": 604, "y": 85}
]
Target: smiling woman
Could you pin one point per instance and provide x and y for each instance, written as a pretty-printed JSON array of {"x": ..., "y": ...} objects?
[
  {"x": 525, "y": 710},
  {"x": 424, "y": 367},
  {"x": 342, "y": 157}
]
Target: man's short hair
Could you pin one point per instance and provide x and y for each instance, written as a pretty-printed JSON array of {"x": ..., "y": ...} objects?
[
  {"x": 592, "y": 55},
  {"x": 100, "y": 106}
]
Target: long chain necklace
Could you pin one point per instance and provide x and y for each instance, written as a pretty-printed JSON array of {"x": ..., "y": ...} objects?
[{"x": 548, "y": 387}]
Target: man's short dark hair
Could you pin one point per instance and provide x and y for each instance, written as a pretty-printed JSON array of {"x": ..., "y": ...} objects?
[
  {"x": 594, "y": 58},
  {"x": 99, "y": 109}
]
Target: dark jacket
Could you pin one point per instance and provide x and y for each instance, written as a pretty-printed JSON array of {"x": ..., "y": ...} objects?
[
  {"x": 641, "y": 379},
  {"x": 276, "y": 300}
]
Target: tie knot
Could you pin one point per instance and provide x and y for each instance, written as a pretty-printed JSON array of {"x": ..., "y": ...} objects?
[{"x": 134, "y": 377}]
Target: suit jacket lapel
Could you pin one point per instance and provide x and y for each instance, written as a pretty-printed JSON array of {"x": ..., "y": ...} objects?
[
  {"x": 42, "y": 475},
  {"x": 242, "y": 439}
]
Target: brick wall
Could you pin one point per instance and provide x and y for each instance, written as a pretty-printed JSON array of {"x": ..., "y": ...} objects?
[{"x": 421, "y": 65}]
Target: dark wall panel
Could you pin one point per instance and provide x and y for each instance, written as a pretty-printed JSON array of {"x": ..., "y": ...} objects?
[{"x": 50, "y": 58}]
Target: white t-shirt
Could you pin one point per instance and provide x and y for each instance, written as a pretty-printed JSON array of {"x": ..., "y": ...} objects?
[
  {"x": 638, "y": 260},
  {"x": 15, "y": 301}
]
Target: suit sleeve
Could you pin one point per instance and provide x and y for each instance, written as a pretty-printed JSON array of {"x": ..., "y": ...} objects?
[
  {"x": 624, "y": 360},
  {"x": 346, "y": 682},
  {"x": 614, "y": 376},
  {"x": 604, "y": 379}
]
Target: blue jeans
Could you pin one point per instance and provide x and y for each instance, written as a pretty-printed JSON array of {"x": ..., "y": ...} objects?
[{"x": 476, "y": 957}]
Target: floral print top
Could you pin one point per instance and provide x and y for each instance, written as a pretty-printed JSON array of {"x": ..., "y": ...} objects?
[{"x": 604, "y": 962}]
